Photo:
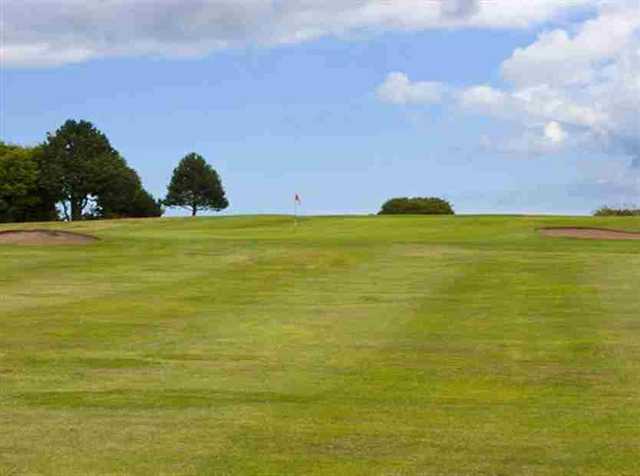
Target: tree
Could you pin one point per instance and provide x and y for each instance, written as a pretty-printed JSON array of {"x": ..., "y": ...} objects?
[
  {"x": 195, "y": 185},
  {"x": 144, "y": 205},
  {"x": 416, "y": 206},
  {"x": 20, "y": 196},
  {"x": 125, "y": 197},
  {"x": 77, "y": 168},
  {"x": 77, "y": 164}
]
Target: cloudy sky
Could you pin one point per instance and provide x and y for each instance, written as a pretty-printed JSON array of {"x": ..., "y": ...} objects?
[{"x": 498, "y": 105}]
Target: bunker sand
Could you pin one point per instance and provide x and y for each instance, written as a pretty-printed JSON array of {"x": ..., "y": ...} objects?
[
  {"x": 44, "y": 238},
  {"x": 590, "y": 233}
]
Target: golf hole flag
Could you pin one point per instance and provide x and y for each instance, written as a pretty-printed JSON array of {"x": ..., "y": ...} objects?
[{"x": 296, "y": 203}]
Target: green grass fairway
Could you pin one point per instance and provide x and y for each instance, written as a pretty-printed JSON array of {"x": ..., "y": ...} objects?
[{"x": 343, "y": 345}]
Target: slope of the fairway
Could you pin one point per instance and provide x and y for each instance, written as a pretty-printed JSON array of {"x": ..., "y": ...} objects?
[{"x": 342, "y": 345}]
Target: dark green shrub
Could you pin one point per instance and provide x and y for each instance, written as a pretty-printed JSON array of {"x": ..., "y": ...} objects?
[
  {"x": 617, "y": 212},
  {"x": 416, "y": 206}
]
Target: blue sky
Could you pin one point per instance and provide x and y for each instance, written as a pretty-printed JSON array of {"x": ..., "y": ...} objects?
[{"x": 464, "y": 117}]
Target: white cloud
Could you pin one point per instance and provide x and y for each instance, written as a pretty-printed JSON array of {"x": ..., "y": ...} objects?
[
  {"x": 555, "y": 133},
  {"x": 485, "y": 99},
  {"x": 533, "y": 104},
  {"x": 532, "y": 142},
  {"x": 42, "y": 54},
  {"x": 559, "y": 58},
  {"x": 52, "y": 32},
  {"x": 398, "y": 89},
  {"x": 578, "y": 88}
]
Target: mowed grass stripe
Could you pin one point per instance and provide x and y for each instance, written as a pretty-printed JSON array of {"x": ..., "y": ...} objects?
[
  {"x": 470, "y": 390},
  {"x": 289, "y": 357}
]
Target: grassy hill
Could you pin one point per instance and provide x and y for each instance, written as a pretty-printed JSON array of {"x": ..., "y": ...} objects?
[{"x": 343, "y": 345}]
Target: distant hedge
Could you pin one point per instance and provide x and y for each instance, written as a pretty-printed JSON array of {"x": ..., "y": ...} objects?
[
  {"x": 416, "y": 206},
  {"x": 617, "y": 212}
]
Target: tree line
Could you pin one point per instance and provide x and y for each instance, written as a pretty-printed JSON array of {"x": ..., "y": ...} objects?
[{"x": 76, "y": 174}]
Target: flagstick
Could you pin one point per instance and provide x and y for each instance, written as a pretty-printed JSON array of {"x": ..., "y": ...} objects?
[{"x": 296, "y": 204}]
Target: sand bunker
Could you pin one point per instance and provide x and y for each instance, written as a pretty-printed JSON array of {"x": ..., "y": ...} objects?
[
  {"x": 44, "y": 237},
  {"x": 590, "y": 233}
]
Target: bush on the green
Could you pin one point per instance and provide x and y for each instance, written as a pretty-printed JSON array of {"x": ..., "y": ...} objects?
[
  {"x": 417, "y": 206},
  {"x": 617, "y": 212}
]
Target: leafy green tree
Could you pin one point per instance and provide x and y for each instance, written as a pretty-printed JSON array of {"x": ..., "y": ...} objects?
[
  {"x": 77, "y": 164},
  {"x": 125, "y": 197},
  {"x": 77, "y": 168},
  {"x": 195, "y": 185},
  {"x": 416, "y": 206},
  {"x": 21, "y": 199},
  {"x": 144, "y": 205}
]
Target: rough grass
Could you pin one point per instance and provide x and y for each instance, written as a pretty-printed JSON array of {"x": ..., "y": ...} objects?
[{"x": 362, "y": 345}]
